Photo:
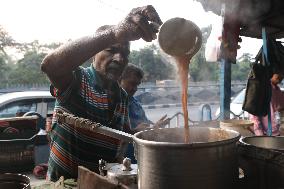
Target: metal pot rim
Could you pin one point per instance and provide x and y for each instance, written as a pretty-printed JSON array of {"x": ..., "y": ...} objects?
[
  {"x": 242, "y": 142},
  {"x": 16, "y": 177},
  {"x": 184, "y": 145}
]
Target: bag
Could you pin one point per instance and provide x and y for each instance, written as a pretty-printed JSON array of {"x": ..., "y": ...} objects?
[
  {"x": 213, "y": 44},
  {"x": 276, "y": 55},
  {"x": 258, "y": 89},
  {"x": 257, "y": 96}
]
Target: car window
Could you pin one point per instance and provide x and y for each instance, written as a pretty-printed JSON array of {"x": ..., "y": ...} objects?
[
  {"x": 239, "y": 99},
  {"x": 50, "y": 106},
  {"x": 18, "y": 108}
]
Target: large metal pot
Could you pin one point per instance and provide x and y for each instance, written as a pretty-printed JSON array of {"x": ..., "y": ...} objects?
[
  {"x": 166, "y": 162},
  {"x": 262, "y": 160},
  {"x": 264, "y": 142},
  {"x": 14, "y": 181}
]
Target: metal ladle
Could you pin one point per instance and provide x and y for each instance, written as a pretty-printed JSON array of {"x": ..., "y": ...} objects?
[{"x": 179, "y": 37}]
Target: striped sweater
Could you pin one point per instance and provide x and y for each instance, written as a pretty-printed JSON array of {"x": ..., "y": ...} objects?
[{"x": 86, "y": 98}]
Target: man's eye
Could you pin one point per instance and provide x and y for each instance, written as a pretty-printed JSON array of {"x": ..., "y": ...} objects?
[{"x": 110, "y": 50}]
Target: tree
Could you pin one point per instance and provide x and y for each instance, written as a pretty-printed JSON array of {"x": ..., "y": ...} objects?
[
  {"x": 153, "y": 64},
  {"x": 199, "y": 69},
  {"x": 241, "y": 70},
  {"x": 27, "y": 69},
  {"x": 4, "y": 72},
  {"x": 6, "y": 41}
]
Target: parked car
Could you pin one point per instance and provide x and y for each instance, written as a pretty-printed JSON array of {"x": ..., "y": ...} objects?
[
  {"x": 21, "y": 102},
  {"x": 236, "y": 105}
]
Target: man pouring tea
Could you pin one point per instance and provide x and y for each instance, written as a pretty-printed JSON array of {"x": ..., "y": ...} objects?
[{"x": 93, "y": 93}]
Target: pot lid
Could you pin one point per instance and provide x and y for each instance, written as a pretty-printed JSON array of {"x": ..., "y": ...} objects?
[{"x": 126, "y": 169}]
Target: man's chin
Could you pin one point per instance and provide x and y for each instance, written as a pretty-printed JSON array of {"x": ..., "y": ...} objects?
[{"x": 112, "y": 77}]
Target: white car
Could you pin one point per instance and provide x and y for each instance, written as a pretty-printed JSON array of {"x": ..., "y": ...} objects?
[
  {"x": 38, "y": 101},
  {"x": 236, "y": 106}
]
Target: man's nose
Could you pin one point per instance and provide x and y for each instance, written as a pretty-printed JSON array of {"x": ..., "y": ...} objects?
[
  {"x": 135, "y": 89},
  {"x": 119, "y": 57}
]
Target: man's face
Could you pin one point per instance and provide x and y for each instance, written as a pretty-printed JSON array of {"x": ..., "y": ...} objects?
[
  {"x": 131, "y": 84},
  {"x": 276, "y": 79},
  {"x": 111, "y": 61}
]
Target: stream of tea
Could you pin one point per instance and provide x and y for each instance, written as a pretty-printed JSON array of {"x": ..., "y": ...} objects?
[
  {"x": 183, "y": 68},
  {"x": 181, "y": 39}
]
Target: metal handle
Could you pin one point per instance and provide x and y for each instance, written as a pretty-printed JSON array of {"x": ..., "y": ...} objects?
[{"x": 89, "y": 125}]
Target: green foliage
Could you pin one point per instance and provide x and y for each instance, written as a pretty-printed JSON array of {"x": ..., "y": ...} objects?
[
  {"x": 199, "y": 69},
  {"x": 153, "y": 64},
  {"x": 241, "y": 70},
  {"x": 4, "y": 72},
  {"x": 27, "y": 69},
  {"x": 5, "y": 41}
]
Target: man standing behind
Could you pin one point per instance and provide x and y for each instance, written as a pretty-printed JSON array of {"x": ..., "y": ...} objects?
[
  {"x": 130, "y": 80},
  {"x": 93, "y": 93}
]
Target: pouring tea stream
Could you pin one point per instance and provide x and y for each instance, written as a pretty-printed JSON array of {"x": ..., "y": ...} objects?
[{"x": 181, "y": 39}]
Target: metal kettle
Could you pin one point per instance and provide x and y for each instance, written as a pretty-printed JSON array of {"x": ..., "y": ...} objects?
[{"x": 125, "y": 173}]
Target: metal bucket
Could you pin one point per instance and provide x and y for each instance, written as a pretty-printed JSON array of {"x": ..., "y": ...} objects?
[
  {"x": 166, "y": 162},
  {"x": 14, "y": 181},
  {"x": 262, "y": 160}
]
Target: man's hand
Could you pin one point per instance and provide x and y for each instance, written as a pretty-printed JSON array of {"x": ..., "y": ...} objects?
[
  {"x": 141, "y": 127},
  {"x": 141, "y": 22},
  {"x": 161, "y": 123}
]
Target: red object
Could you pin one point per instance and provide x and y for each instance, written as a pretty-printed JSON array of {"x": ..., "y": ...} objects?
[
  {"x": 40, "y": 171},
  {"x": 4, "y": 124}
]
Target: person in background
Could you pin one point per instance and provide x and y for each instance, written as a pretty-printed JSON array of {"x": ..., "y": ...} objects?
[
  {"x": 130, "y": 79},
  {"x": 93, "y": 93},
  {"x": 276, "y": 105},
  {"x": 48, "y": 124},
  {"x": 21, "y": 111}
]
